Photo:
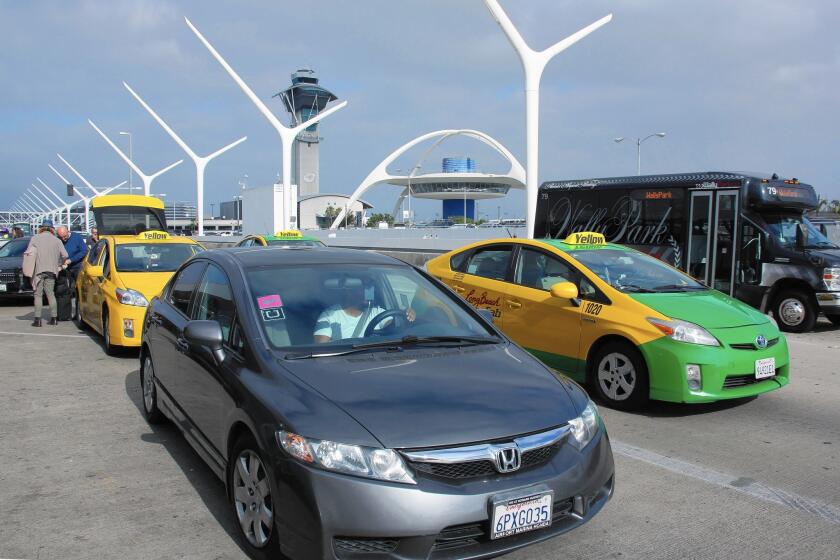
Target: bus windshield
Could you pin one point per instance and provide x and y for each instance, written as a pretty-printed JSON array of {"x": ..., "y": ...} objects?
[
  {"x": 783, "y": 229},
  {"x": 635, "y": 272}
]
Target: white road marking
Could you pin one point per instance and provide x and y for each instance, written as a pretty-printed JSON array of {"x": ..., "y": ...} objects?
[
  {"x": 754, "y": 488},
  {"x": 46, "y": 334}
]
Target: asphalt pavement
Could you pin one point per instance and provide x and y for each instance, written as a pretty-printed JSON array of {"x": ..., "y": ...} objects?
[{"x": 82, "y": 475}]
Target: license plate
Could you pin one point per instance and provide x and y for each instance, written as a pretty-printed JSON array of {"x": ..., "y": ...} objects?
[
  {"x": 2, "y": 287},
  {"x": 519, "y": 515},
  {"x": 765, "y": 368}
]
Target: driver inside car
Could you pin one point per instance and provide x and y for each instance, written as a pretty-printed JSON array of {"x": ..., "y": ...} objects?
[{"x": 351, "y": 317}]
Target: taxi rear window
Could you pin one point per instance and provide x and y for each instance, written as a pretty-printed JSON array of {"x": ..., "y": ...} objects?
[
  {"x": 295, "y": 242},
  {"x": 153, "y": 257}
]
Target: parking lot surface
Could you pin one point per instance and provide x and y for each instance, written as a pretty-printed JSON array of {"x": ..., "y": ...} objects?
[{"x": 82, "y": 475}]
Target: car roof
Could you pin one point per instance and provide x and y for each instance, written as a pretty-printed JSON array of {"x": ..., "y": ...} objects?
[
  {"x": 131, "y": 239},
  {"x": 566, "y": 247},
  {"x": 256, "y": 256}
]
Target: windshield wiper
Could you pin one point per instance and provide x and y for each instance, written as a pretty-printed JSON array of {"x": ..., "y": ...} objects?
[
  {"x": 678, "y": 288},
  {"x": 634, "y": 288},
  {"x": 395, "y": 344}
]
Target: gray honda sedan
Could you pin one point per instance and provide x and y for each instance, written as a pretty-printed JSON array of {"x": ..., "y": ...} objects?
[{"x": 356, "y": 408}]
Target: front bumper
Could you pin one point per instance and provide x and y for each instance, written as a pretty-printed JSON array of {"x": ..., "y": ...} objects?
[
  {"x": 727, "y": 372},
  {"x": 123, "y": 316},
  {"x": 829, "y": 302},
  {"x": 339, "y": 517}
]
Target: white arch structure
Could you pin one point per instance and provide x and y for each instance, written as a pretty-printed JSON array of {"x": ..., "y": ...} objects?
[{"x": 515, "y": 175}]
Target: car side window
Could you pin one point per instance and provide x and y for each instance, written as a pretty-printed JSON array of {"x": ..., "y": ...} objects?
[
  {"x": 459, "y": 261},
  {"x": 106, "y": 261},
  {"x": 214, "y": 300},
  {"x": 237, "y": 340},
  {"x": 589, "y": 292},
  {"x": 95, "y": 252},
  {"x": 536, "y": 269},
  {"x": 247, "y": 243},
  {"x": 184, "y": 285},
  {"x": 490, "y": 262}
]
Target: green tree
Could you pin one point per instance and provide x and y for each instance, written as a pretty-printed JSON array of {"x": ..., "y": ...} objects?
[{"x": 374, "y": 219}]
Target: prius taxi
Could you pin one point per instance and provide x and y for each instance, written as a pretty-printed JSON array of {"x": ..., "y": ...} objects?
[
  {"x": 628, "y": 324},
  {"x": 129, "y": 265},
  {"x": 288, "y": 239}
]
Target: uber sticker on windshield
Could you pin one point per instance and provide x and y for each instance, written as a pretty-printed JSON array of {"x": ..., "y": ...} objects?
[
  {"x": 269, "y": 302},
  {"x": 274, "y": 314}
]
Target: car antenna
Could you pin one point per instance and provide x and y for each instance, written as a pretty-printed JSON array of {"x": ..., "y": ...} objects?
[{"x": 512, "y": 236}]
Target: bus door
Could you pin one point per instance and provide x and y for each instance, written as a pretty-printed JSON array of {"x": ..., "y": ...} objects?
[{"x": 713, "y": 218}]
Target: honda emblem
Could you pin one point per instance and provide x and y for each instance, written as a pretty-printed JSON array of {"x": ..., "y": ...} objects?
[{"x": 508, "y": 459}]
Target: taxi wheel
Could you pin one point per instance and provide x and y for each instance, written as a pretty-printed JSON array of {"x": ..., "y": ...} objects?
[
  {"x": 794, "y": 311},
  {"x": 149, "y": 391},
  {"x": 110, "y": 349},
  {"x": 252, "y": 499},
  {"x": 619, "y": 376},
  {"x": 80, "y": 322}
]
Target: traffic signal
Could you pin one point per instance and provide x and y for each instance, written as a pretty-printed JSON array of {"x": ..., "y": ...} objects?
[{"x": 69, "y": 189}]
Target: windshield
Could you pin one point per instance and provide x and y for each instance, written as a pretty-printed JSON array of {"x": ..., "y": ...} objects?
[
  {"x": 634, "y": 272},
  {"x": 153, "y": 257},
  {"x": 295, "y": 243},
  {"x": 783, "y": 229},
  {"x": 322, "y": 308},
  {"x": 14, "y": 248},
  {"x": 128, "y": 220}
]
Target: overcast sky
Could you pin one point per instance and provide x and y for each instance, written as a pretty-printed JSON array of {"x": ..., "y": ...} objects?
[{"x": 736, "y": 85}]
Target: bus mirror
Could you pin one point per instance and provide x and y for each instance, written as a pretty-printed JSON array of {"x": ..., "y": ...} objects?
[
  {"x": 801, "y": 235},
  {"x": 564, "y": 290}
]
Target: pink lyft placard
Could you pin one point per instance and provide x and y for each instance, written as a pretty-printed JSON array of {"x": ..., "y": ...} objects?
[{"x": 269, "y": 302}]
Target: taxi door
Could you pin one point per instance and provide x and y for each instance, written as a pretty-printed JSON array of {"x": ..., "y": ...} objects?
[
  {"x": 85, "y": 281},
  {"x": 96, "y": 292},
  {"x": 484, "y": 280},
  {"x": 549, "y": 327}
]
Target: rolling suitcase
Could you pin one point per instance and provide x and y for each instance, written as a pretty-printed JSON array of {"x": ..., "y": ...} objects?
[{"x": 63, "y": 297}]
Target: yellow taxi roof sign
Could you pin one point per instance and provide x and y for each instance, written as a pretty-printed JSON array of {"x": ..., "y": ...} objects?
[
  {"x": 586, "y": 238},
  {"x": 288, "y": 233},
  {"x": 153, "y": 235},
  {"x": 126, "y": 200}
]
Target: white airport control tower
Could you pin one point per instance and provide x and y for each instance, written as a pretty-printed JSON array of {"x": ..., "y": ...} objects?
[{"x": 304, "y": 99}]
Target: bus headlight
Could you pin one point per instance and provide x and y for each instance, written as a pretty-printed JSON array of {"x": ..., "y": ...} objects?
[{"x": 831, "y": 279}]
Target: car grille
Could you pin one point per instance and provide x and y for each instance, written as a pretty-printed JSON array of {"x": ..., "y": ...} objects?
[
  {"x": 472, "y": 534},
  {"x": 734, "y": 381},
  {"x": 366, "y": 545},
  {"x": 7, "y": 277},
  {"x": 752, "y": 346},
  {"x": 476, "y": 469}
]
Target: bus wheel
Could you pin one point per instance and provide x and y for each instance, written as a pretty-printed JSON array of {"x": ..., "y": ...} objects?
[
  {"x": 794, "y": 311},
  {"x": 618, "y": 374}
]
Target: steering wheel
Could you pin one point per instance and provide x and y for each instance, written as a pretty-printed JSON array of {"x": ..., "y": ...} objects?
[{"x": 397, "y": 314}]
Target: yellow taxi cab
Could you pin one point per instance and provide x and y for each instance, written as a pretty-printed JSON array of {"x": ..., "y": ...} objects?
[
  {"x": 288, "y": 239},
  {"x": 130, "y": 264},
  {"x": 629, "y": 325}
]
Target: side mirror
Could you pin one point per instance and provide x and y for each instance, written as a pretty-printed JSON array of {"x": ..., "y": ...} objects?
[
  {"x": 486, "y": 314},
  {"x": 96, "y": 271},
  {"x": 564, "y": 290},
  {"x": 801, "y": 235},
  {"x": 206, "y": 334}
]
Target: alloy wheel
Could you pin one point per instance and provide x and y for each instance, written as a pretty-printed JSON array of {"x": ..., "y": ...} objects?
[
  {"x": 616, "y": 376},
  {"x": 791, "y": 311},
  {"x": 252, "y": 498},
  {"x": 148, "y": 384}
]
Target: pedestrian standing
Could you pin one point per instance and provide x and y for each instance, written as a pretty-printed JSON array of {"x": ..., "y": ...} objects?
[
  {"x": 17, "y": 232},
  {"x": 76, "y": 252},
  {"x": 50, "y": 257},
  {"x": 93, "y": 239}
]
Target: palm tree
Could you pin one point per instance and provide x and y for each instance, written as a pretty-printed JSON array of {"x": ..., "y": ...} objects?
[
  {"x": 835, "y": 206},
  {"x": 822, "y": 204}
]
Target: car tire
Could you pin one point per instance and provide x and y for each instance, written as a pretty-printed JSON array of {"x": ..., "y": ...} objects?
[
  {"x": 148, "y": 391},
  {"x": 618, "y": 375},
  {"x": 80, "y": 323},
  {"x": 795, "y": 311},
  {"x": 252, "y": 506},
  {"x": 835, "y": 319},
  {"x": 110, "y": 349}
]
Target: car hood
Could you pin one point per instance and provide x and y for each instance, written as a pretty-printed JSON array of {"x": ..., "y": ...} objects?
[
  {"x": 149, "y": 284},
  {"x": 710, "y": 309},
  {"x": 431, "y": 397},
  {"x": 10, "y": 263},
  {"x": 831, "y": 257}
]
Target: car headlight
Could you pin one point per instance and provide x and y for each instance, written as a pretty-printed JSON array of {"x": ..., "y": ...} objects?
[
  {"x": 131, "y": 297},
  {"x": 683, "y": 331},
  {"x": 831, "y": 279},
  {"x": 585, "y": 427},
  {"x": 370, "y": 462}
]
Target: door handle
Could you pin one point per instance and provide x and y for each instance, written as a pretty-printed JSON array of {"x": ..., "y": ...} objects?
[
  {"x": 513, "y": 304},
  {"x": 155, "y": 319},
  {"x": 182, "y": 344},
  {"x": 459, "y": 289},
  {"x": 589, "y": 319}
]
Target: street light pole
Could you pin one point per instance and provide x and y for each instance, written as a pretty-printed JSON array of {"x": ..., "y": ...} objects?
[
  {"x": 131, "y": 157},
  {"x": 639, "y": 148}
]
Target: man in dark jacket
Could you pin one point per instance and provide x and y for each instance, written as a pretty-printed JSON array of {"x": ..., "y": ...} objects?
[
  {"x": 50, "y": 257},
  {"x": 76, "y": 251}
]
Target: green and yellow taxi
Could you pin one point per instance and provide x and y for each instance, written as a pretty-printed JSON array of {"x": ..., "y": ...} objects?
[
  {"x": 130, "y": 264},
  {"x": 629, "y": 325},
  {"x": 288, "y": 239}
]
